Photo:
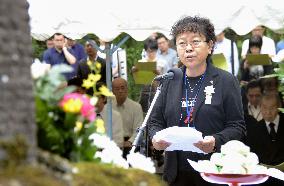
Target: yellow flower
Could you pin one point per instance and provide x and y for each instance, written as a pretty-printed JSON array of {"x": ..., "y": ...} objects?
[
  {"x": 98, "y": 65},
  {"x": 89, "y": 63},
  {"x": 100, "y": 126},
  {"x": 105, "y": 91},
  {"x": 88, "y": 84},
  {"x": 72, "y": 105},
  {"x": 94, "y": 77},
  {"x": 78, "y": 126}
]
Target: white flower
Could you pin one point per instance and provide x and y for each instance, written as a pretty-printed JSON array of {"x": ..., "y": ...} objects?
[
  {"x": 93, "y": 100},
  {"x": 139, "y": 161},
  {"x": 111, "y": 153},
  {"x": 100, "y": 141},
  {"x": 233, "y": 158},
  {"x": 216, "y": 159},
  {"x": 39, "y": 69},
  {"x": 256, "y": 169},
  {"x": 207, "y": 166},
  {"x": 251, "y": 159},
  {"x": 233, "y": 147},
  {"x": 233, "y": 168}
]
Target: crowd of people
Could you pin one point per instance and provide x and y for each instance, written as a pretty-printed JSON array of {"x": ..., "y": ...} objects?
[{"x": 235, "y": 105}]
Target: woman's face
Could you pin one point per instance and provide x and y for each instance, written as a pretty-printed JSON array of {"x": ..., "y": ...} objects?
[{"x": 193, "y": 49}]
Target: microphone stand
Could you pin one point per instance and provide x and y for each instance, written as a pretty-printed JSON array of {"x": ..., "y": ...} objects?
[{"x": 138, "y": 138}]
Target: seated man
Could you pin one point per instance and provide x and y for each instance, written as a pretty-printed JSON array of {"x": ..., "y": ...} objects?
[
  {"x": 130, "y": 111},
  {"x": 267, "y": 137},
  {"x": 117, "y": 128},
  {"x": 253, "y": 95}
]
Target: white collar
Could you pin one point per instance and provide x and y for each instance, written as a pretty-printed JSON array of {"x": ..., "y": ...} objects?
[
  {"x": 251, "y": 106},
  {"x": 275, "y": 121}
]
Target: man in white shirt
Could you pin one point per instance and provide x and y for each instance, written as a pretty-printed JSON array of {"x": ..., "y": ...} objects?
[
  {"x": 166, "y": 53},
  {"x": 223, "y": 45},
  {"x": 268, "y": 45},
  {"x": 130, "y": 111}
]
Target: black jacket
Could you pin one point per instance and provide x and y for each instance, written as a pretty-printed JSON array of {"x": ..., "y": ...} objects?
[
  {"x": 268, "y": 152},
  {"x": 223, "y": 118},
  {"x": 84, "y": 70}
]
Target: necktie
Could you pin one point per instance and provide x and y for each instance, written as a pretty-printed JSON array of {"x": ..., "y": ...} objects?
[{"x": 272, "y": 131}]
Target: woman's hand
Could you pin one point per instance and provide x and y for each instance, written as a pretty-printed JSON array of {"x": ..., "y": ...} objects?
[
  {"x": 207, "y": 145},
  {"x": 160, "y": 145}
]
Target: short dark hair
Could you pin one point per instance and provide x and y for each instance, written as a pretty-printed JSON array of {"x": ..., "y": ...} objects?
[
  {"x": 196, "y": 25},
  {"x": 151, "y": 44},
  {"x": 254, "y": 84},
  {"x": 255, "y": 41},
  {"x": 58, "y": 34},
  {"x": 161, "y": 36}
]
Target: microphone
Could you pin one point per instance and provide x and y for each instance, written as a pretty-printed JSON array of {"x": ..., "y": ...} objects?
[{"x": 168, "y": 75}]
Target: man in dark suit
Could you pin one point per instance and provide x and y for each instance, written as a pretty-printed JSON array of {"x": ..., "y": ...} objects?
[
  {"x": 253, "y": 96},
  {"x": 267, "y": 137},
  {"x": 84, "y": 69}
]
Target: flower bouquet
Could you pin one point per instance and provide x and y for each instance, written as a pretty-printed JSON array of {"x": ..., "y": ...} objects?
[
  {"x": 234, "y": 165},
  {"x": 67, "y": 123}
]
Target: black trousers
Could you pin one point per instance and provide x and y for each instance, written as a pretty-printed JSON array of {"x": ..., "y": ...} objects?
[{"x": 191, "y": 178}]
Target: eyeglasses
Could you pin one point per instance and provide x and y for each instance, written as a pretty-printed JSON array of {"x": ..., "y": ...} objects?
[{"x": 194, "y": 44}]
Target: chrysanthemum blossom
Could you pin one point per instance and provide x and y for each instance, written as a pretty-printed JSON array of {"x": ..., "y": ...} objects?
[
  {"x": 39, "y": 69},
  {"x": 139, "y": 161}
]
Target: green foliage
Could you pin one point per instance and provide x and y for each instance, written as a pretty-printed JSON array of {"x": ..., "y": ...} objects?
[
  {"x": 133, "y": 54},
  {"x": 38, "y": 48}
]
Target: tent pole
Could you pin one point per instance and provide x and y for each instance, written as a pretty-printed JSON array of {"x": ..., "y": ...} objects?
[{"x": 109, "y": 51}]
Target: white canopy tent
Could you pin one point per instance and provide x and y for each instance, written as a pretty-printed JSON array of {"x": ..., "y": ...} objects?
[{"x": 109, "y": 18}]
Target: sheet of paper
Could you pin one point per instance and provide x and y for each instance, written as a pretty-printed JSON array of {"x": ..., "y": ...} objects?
[
  {"x": 145, "y": 73},
  {"x": 258, "y": 59},
  {"x": 219, "y": 61},
  {"x": 181, "y": 138}
]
